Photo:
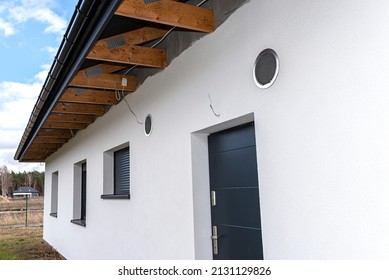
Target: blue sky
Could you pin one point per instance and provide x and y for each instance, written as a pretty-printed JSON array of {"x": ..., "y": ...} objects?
[{"x": 30, "y": 33}]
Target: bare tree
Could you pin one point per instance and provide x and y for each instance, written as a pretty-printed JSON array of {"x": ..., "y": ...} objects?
[
  {"x": 5, "y": 180},
  {"x": 29, "y": 179}
]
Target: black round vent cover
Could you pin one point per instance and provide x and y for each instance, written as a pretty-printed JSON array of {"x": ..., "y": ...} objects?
[
  {"x": 266, "y": 68},
  {"x": 148, "y": 125}
]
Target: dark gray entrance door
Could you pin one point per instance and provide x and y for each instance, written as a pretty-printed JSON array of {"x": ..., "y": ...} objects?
[{"x": 236, "y": 223}]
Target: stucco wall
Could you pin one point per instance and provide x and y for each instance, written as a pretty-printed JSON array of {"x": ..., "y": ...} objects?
[{"x": 322, "y": 137}]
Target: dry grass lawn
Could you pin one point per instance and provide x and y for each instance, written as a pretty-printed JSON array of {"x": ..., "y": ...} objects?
[
  {"x": 12, "y": 211},
  {"x": 25, "y": 243},
  {"x": 19, "y": 218},
  {"x": 10, "y": 204}
]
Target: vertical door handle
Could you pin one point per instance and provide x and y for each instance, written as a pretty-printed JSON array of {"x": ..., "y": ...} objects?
[
  {"x": 213, "y": 198},
  {"x": 215, "y": 238}
]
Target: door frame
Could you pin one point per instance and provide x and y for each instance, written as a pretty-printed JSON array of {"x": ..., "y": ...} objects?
[{"x": 201, "y": 186}]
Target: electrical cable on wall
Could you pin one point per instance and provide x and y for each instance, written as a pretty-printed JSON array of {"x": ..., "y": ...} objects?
[
  {"x": 211, "y": 106},
  {"x": 120, "y": 95},
  {"x": 129, "y": 108}
]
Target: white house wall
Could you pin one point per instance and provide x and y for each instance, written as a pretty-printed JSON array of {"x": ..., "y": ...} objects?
[{"x": 322, "y": 134}]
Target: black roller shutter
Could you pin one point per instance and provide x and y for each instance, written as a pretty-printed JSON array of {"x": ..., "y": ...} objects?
[
  {"x": 83, "y": 191},
  {"x": 122, "y": 171}
]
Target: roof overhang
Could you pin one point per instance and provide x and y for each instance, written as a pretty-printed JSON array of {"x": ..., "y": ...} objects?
[{"x": 105, "y": 42}]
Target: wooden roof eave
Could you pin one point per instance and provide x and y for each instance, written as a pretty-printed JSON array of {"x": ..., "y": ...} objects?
[{"x": 85, "y": 94}]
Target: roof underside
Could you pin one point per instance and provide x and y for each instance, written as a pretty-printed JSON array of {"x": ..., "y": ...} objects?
[{"x": 107, "y": 41}]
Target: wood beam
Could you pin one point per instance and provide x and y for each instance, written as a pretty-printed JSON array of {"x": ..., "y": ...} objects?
[
  {"x": 50, "y": 140},
  {"x": 45, "y": 146},
  {"x": 81, "y": 109},
  {"x": 104, "y": 68},
  {"x": 63, "y": 125},
  {"x": 134, "y": 37},
  {"x": 35, "y": 158},
  {"x": 103, "y": 81},
  {"x": 89, "y": 96},
  {"x": 170, "y": 13},
  {"x": 41, "y": 151},
  {"x": 73, "y": 118},
  {"x": 134, "y": 55},
  {"x": 61, "y": 133}
]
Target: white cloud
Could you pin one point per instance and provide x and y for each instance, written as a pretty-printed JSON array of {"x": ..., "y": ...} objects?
[
  {"x": 6, "y": 158},
  {"x": 55, "y": 23},
  {"x": 6, "y": 28},
  {"x": 18, "y": 100},
  {"x": 52, "y": 51},
  {"x": 14, "y": 91},
  {"x": 19, "y": 12}
]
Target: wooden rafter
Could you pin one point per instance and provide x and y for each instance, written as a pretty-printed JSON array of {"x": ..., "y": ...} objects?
[
  {"x": 36, "y": 154},
  {"x": 50, "y": 140},
  {"x": 170, "y": 13},
  {"x": 134, "y": 37},
  {"x": 105, "y": 68},
  {"x": 35, "y": 157},
  {"x": 64, "y": 125},
  {"x": 89, "y": 96},
  {"x": 130, "y": 55},
  {"x": 103, "y": 81},
  {"x": 40, "y": 146},
  {"x": 41, "y": 151},
  {"x": 122, "y": 48},
  {"x": 61, "y": 133},
  {"x": 71, "y": 118},
  {"x": 82, "y": 109}
]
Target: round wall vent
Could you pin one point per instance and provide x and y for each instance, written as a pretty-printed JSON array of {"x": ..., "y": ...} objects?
[
  {"x": 266, "y": 68},
  {"x": 148, "y": 125}
]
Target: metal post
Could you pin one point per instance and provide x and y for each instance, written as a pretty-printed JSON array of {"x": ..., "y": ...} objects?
[{"x": 26, "y": 208}]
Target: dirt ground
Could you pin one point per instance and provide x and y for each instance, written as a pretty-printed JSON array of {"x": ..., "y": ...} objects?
[{"x": 25, "y": 243}]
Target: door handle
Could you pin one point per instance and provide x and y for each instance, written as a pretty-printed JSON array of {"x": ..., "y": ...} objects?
[
  {"x": 213, "y": 198},
  {"x": 215, "y": 238}
]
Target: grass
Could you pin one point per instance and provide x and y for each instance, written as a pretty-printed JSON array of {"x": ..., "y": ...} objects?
[
  {"x": 25, "y": 243},
  {"x": 10, "y": 204},
  {"x": 12, "y": 211},
  {"x": 19, "y": 218}
]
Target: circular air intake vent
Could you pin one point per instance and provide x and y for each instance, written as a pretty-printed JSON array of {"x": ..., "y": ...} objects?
[
  {"x": 148, "y": 125},
  {"x": 266, "y": 68}
]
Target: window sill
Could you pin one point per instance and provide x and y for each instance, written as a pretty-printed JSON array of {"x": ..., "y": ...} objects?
[
  {"x": 53, "y": 215},
  {"x": 115, "y": 196},
  {"x": 79, "y": 222}
]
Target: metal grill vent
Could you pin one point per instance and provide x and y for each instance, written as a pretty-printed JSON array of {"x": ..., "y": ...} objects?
[
  {"x": 78, "y": 90},
  {"x": 266, "y": 68},
  {"x": 116, "y": 42},
  {"x": 94, "y": 71},
  {"x": 150, "y": 1}
]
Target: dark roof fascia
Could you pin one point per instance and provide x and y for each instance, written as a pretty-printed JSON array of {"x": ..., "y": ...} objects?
[{"x": 101, "y": 12}]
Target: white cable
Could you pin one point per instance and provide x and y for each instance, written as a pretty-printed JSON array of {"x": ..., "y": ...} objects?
[
  {"x": 211, "y": 106},
  {"x": 201, "y": 3},
  {"x": 129, "y": 108}
]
